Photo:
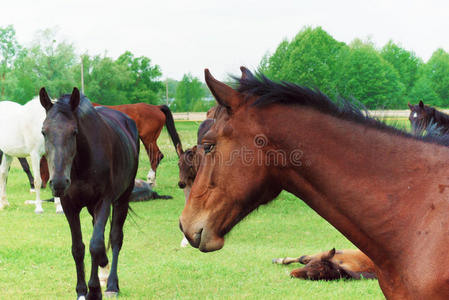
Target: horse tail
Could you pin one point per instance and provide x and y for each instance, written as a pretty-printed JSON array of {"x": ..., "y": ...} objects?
[{"x": 170, "y": 124}]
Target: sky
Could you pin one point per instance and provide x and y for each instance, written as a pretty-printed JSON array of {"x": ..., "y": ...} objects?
[{"x": 188, "y": 36}]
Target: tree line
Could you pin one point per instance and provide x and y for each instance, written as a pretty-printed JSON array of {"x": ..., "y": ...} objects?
[
  {"x": 55, "y": 65},
  {"x": 388, "y": 77}
]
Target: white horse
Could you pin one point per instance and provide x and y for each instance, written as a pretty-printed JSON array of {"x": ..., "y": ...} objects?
[{"x": 20, "y": 136}]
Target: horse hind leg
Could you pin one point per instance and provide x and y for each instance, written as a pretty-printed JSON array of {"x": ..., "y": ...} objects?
[
  {"x": 4, "y": 169},
  {"x": 119, "y": 214},
  {"x": 26, "y": 169}
]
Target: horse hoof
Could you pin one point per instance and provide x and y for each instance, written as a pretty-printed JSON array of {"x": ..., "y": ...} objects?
[
  {"x": 59, "y": 210},
  {"x": 81, "y": 298},
  {"x": 110, "y": 294},
  {"x": 39, "y": 210}
]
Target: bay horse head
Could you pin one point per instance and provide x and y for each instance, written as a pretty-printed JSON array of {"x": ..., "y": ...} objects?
[
  {"x": 421, "y": 116},
  {"x": 323, "y": 267},
  {"x": 60, "y": 130},
  {"x": 236, "y": 168}
]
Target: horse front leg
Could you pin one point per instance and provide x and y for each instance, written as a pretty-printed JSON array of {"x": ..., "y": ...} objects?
[
  {"x": 35, "y": 164},
  {"x": 119, "y": 213},
  {"x": 4, "y": 169},
  {"x": 78, "y": 249},
  {"x": 97, "y": 249}
]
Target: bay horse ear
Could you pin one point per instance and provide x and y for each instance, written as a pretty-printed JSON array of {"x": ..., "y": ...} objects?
[
  {"x": 75, "y": 99},
  {"x": 410, "y": 106},
  {"x": 45, "y": 100},
  {"x": 246, "y": 74},
  {"x": 224, "y": 94},
  {"x": 329, "y": 254},
  {"x": 421, "y": 104},
  {"x": 179, "y": 150}
]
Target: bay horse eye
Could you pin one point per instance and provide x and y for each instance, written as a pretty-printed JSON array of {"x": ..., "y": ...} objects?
[
  {"x": 43, "y": 133},
  {"x": 208, "y": 148}
]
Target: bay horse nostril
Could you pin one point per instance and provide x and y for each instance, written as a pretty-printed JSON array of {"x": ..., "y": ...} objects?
[
  {"x": 181, "y": 184},
  {"x": 67, "y": 181}
]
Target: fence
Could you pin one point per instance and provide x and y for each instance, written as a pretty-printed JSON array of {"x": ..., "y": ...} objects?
[{"x": 201, "y": 116}]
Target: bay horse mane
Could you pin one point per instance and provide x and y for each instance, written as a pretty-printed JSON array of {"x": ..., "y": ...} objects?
[{"x": 270, "y": 92}]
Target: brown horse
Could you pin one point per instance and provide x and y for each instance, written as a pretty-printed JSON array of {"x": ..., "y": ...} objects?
[
  {"x": 383, "y": 188},
  {"x": 189, "y": 162},
  {"x": 422, "y": 116},
  {"x": 332, "y": 265}
]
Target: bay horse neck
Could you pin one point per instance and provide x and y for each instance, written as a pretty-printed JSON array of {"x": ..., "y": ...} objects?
[{"x": 357, "y": 176}]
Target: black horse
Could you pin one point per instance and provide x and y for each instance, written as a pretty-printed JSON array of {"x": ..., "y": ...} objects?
[{"x": 93, "y": 157}]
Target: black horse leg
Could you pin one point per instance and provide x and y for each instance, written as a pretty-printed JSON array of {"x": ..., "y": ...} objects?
[
  {"x": 119, "y": 214},
  {"x": 73, "y": 217},
  {"x": 26, "y": 168},
  {"x": 98, "y": 250}
]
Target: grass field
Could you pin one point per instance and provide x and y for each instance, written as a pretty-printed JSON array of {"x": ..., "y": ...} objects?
[{"x": 36, "y": 260}]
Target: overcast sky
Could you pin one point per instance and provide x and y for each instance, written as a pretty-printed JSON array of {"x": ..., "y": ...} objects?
[{"x": 187, "y": 36}]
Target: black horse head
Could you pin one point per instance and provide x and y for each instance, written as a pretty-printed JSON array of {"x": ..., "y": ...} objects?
[{"x": 60, "y": 129}]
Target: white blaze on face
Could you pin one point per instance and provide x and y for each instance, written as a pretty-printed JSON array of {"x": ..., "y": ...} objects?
[{"x": 415, "y": 115}]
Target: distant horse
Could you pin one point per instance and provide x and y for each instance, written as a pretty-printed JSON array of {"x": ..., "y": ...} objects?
[
  {"x": 93, "y": 158},
  {"x": 422, "y": 116},
  {"x": 189, "y": 162},
  {"x": 142, "y": 191},
  {"x": 26, "y": 169},
  {"x": 332, "y": 265},
  {"x": 20, "y": 137},
  {"x": 150, "y": 120},
  {"x": 384, "y": 189}
]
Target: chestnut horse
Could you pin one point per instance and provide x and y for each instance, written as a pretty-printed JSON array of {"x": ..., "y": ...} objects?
[
  {"x": 93, "y": 158},
  {"x": 384, "y": 189},
  {"x": 422, "y": 116},
  {"x": 332, "y": 265}
]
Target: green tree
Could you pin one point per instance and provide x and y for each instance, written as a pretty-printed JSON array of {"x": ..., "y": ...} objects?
[
  {"x": 9, "y": 48},
  {"x": 422, "y": 90},
  {"x": 189, "y": 92},
  {"x": 144, "y": 84},
  {"x": 366, "y": 76},
  {"x": 406, "y": 63},
  {"x": 309, "y": 59},
  {"x": 437, "y": 71}
]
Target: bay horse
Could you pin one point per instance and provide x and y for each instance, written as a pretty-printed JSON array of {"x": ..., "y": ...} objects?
[
  {"x": 189, "y": 162},
  {"x": 150, "y": 120},
  {"x": 384, "y": 189},
  {"x": 332, "y": 265},
  {"x": 93, "y": 158},
  {"x": 422, "y": 116},
  {"x": 21, "y": 137}
]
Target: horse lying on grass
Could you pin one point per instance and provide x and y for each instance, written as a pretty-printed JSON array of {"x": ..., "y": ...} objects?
[
  {"x": 142, "y": 191},
  {"x": 332, "y": 265}
]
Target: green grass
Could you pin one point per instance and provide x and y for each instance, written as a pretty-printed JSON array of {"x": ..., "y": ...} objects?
[{"x": 36, "y": 260}]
